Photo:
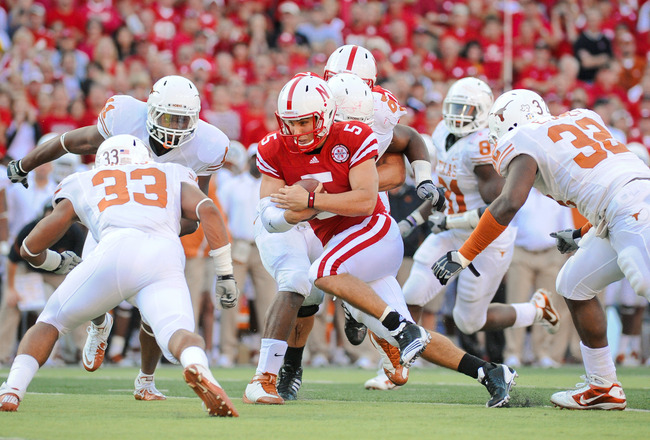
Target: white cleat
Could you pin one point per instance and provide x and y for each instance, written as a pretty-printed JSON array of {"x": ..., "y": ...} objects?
[
  {"x": 145, "y": 388},
  {"x": 546, "y": 313},
  {"x": 215, "y": 400},
  {"x": 595, "y": 393},
  {"x": 95, "y": 347},
  {"x": 380, "y": 382},
  {"x": 262, "y": 389}
]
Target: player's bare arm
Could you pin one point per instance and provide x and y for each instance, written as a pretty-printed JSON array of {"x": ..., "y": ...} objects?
[
  {"x": 490, "y": 183},
  {"x": 189, "y": 226},
  {"x": 84, "y": 140},
  {"x": 521, "y": 176},
  {"x": 391, "y": 171},
  {"x": 360, "y": 200},
  {"x": 196, "y": 206},
  {"x": 270, "y": 186}
]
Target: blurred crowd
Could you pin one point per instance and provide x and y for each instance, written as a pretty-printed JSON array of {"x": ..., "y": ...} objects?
[{"x": 60, "y": 60}]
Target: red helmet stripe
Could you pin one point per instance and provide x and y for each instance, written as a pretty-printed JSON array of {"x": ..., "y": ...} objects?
[
  {"x": 291, "y": 89},
  {"x": 351, "y": 59}
]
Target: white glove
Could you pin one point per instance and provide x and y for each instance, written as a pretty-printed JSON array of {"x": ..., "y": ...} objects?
[
  {"x": 69, "y": 260},
  {"x": 406, "y": 226},
  {"x": 227, "y": 291},
  {"x": 438, "y": 222},
  {"x": 566, "y": 240}
]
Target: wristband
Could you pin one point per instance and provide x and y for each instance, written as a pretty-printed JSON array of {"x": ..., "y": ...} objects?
[
  {"x": 61, "y": 139},
  {"x": 222, "y": 260},
  {"x": 310, "y": 201},
  {"x": 415, "y": 218},
  {"x": 52, "y": 261},
  {"x": 196, "y": 210}
]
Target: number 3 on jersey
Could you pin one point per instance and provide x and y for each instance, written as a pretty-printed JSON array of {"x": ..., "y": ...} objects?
[{"x": 121, "y": 194}]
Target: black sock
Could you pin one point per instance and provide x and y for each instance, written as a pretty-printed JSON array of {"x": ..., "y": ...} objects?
[
  {"x": 469, "y": 365},
  {"x": 293, "y": 356},
  {"x": 392, "y": 321}
]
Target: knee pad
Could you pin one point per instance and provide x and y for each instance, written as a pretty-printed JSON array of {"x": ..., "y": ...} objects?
[
  {"x": 566, "y": 284},
  {"x": 315, "y": 298},
  {"x": 420, "y": 288},
  {"x": 468, "y": 324},
  {"x": 632, "y": 264},
  {"x": 306, "y": 311}
]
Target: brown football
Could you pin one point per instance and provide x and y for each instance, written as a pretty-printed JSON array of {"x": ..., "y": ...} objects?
[{"x": 309, "y": 184}]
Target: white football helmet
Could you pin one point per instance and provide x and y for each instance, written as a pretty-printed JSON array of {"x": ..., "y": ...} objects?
[
  {"x": 173, "y": 111},
  {"x": 466, "y": 106},
  {"x": 305, "y": 97},
  {"x": 352, "y": 59},
  {"x": 641, "y": 151},
  {"x": 514, "y": 109},
  {"x": 122, "y": 149},
  {"x": 354, "y": 101},
  {"x": 64, "y": 166}
]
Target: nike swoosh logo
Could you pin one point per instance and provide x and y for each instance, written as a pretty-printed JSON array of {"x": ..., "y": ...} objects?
[
  {"x": 278, "y": 355},
  {"x": 584, "y": 401}
]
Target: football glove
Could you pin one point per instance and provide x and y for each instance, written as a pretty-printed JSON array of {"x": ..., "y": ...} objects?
[
  {"x": 438, "y": 222},
  {"x": 566, "y": 240},
  {"x": 406, "y": 226},
  {"x": 69, "y": 260},
  {"x": 450, "y": 265},
  {"x": 227, "y": 291},
  {"x": 16, "y": 174},
  {"x": 426, "y": 190}
]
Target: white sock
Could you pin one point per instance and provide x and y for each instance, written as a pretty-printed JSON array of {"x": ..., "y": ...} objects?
[
  {"x": 117, "y": 346},
  {"x": 526, "y": 313},
  {"x": 21, "y": 374},
  {"x": 271, "y": 356},
  {"x": 634, "y": 342},
  {"x": 599, "y": 361},
  {"x": 196, "y": 356}
]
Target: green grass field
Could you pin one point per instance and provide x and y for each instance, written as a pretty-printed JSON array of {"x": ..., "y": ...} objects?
[{"x": 69, "y": 403}]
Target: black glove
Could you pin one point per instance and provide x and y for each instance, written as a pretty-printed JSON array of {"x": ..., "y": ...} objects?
[
  {"x": 16, "y": 174},
  {"x": 449, "y": 265},
  {"x": 227, "y": 291},
  {"x": 565, "y": 240},
  {"x": 439, "y": 201},
  {"x": 69, "y": 260}
]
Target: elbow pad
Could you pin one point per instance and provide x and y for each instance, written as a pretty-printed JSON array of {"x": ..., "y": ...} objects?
[{"x": 272, "y": 217}]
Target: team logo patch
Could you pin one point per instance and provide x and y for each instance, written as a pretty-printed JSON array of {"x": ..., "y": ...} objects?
[{"x": 340, "y": 153}]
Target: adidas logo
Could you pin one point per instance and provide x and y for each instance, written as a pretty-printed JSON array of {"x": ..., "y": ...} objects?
[{"x": 314, "y": 160}]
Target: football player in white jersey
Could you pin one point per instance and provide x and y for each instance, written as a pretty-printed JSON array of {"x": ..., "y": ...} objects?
[
  {"x": 465, "y": 169},
  {"x": 132, "y": 207},
  {"x": 168, "y": 124},
  {"x": 573, "y": 159}
]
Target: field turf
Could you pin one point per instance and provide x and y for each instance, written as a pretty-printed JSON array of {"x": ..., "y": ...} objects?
[{"x": 69, "y": 403}]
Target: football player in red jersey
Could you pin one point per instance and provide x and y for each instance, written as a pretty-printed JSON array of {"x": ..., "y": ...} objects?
[{"x": 362, "y": 246}]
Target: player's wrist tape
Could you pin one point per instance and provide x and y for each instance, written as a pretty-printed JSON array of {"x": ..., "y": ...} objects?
[
  {"x": 222, "y": 260},
  {"x": 310, "y": 200},
  {"x": 421, "y": 170},
  {"x": 52, "y": 261},
  {"x": 415, "y": 218},
  {"x": 466, "y": 220},
  {"x": 62, "y": 140}
]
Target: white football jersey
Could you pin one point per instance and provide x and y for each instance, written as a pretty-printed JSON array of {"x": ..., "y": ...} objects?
[
  {"x": 579, "y": 163},
  {"x": 143, "y": 197},
  {"x": 455, "y": 168},
  {"x": 205, "y": 153},
  {"x": 387, "y": 115}
]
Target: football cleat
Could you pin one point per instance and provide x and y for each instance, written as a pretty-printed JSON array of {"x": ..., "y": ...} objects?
[
  {"x": 214, "y": 398},
  {"x": 289, "y": 382},
  {"x": 262, "y": 390},
  {"x": 145, "y": 388},
  {"x": 380, "y": 382},
  {"x": 95, "y": 347},
  {"x": 498, "y": 381},
  {"x": 412, "y": 340},
  {"x": 9, "y": 399},
  {"x": 628, "y": 360},
  {"x": 354, "y": 330},
  {"x": 594, "y": 393},
  {"x": 390, "y": 358},
  {"x": 546, "y": 313}
]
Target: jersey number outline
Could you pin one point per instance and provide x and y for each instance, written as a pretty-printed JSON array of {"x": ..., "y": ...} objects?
[
  {"x": 119, "y": 189},
  {"x": 601, "y": 141}
]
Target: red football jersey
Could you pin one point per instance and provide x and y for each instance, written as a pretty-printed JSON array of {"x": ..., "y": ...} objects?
[{"x": 348, "y": 144}]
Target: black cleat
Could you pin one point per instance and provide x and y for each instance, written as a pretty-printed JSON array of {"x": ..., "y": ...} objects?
[
  {"x": 354, "y": 330},
  {"x": 412, "y": 340},
  {"x": 289, "y": 382},
  {"x": 498, "y": 382}
]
